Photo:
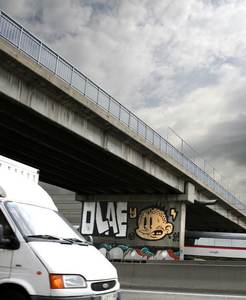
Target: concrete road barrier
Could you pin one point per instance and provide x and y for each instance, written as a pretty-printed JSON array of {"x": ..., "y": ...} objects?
[{"x": 188, "y": 276}]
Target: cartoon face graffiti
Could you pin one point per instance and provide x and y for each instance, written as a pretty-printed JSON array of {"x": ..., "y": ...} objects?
[{"x": 153, "y": 224}]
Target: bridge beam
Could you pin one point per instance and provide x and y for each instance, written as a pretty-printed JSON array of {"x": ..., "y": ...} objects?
[
  {"x": 39, "y": 90},
  {"x": 192, "y": 196}
]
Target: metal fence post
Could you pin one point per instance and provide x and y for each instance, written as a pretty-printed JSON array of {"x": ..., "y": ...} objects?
[
  {"x": 109, "y": 103},
  {"x": 98, "y": 89},
  {"x": 57, "y": 59},
  {"x": 128, "y": 123},
  {"x": 19, "y": 42},
  {"x": 39, "y": 52},
  {"x": 119, "y": 112},
  {"x": 71, "y": 79}
]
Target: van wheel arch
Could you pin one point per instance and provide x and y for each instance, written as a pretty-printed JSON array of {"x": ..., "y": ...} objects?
[{"x": 13, "y": 290}]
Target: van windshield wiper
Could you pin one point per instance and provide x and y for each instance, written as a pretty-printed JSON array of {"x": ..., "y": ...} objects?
[
  {"x": 49, "y": 237},
  {"x": 76, "y": 241}
]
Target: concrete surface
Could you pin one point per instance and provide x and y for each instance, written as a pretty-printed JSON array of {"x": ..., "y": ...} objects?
[
  {"x": 213, "y": 277},
  {"x": 153, "y": 295}
]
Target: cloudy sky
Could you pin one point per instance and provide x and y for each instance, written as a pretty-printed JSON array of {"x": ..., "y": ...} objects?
[{"x": 178, "y": 64}]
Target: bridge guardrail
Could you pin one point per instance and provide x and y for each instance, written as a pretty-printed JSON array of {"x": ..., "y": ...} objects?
[{"x": 43, "y": 55}]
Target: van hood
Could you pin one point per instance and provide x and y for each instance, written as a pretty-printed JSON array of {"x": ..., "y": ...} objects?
[{"x": 74, "y": 259}]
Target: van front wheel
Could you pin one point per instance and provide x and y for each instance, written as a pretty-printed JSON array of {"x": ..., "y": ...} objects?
[{"x": 15, "y": 295}]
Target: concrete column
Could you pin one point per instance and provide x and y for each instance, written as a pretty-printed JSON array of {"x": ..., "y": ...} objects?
[{"x": 182, "y": 230}]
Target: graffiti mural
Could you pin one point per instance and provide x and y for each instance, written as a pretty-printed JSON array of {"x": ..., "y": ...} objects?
[
  {"x": 127, "y": 253},
  {"x": 104, "y": 218},
  {"x": 149, "y": 230},
  {"x": 153, "y": 224}
]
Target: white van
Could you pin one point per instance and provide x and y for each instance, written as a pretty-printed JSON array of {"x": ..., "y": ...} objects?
[{"x": 41, "y": 255}]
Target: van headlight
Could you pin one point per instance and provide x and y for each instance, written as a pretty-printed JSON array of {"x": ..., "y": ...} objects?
[{"x": 58, "y": 281}]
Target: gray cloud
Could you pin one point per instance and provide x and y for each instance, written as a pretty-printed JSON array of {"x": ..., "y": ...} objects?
[{"x": 227, "y": 141}]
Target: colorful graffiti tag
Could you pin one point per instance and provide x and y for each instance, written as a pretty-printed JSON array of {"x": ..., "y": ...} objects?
[
  {"x": 105, "y": 218},
  {"x": 127, "y": 253}
]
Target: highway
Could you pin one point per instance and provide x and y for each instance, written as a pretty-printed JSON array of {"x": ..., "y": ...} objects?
[{"x": 158, "y": 295}]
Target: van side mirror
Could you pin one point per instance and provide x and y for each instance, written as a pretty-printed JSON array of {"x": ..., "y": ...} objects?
[
  {"x": 8, "y": 243},
  {"x": 89, "y": 239}
]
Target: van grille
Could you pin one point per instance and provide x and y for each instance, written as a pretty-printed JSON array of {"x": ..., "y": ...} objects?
[{"x": 103, "y": 285}]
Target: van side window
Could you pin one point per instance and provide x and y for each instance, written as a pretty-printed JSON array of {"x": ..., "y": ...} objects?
[{"x": 7, "y": 231}]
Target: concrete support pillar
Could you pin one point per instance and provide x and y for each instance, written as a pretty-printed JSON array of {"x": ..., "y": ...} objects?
[{"x": 182, "y": 230}]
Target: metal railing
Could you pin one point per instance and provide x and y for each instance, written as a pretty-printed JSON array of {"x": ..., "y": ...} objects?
[{"x": 43, "y": 55}]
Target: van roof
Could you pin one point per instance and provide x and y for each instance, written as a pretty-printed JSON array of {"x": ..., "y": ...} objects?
[
  {"x": 13, "y": 167},
  {"x": 19, "y": 183}
]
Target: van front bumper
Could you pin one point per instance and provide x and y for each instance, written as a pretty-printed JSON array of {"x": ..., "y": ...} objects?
[{"x": 71, "y": 298}]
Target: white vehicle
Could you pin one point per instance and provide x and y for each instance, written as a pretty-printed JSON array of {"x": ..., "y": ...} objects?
[{"x": 41, "y": 255}]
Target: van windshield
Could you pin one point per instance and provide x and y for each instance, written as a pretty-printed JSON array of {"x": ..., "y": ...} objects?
[{"x": 39, "y": 222}]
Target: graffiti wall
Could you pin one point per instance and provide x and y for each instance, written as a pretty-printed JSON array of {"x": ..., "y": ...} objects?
[
  {"x": 128, "y": 253},
  {"x": 133, "y": 230}
]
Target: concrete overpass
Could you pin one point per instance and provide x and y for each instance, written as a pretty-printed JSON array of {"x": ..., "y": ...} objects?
[{"x": 56, "y": 119}]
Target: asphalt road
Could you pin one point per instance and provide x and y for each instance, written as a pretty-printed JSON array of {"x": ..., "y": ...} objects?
[{"x": 153, "y": 295}]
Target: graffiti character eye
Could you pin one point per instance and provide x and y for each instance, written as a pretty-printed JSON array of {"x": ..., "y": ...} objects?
[
  {"x": 145, "y": 222},
  {"x": 150, "y": 222}
]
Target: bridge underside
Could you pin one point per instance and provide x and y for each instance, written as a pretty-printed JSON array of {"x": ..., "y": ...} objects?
[
  {"x": 202, "y": 217},
  {"x": 68, "y": 161}
]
